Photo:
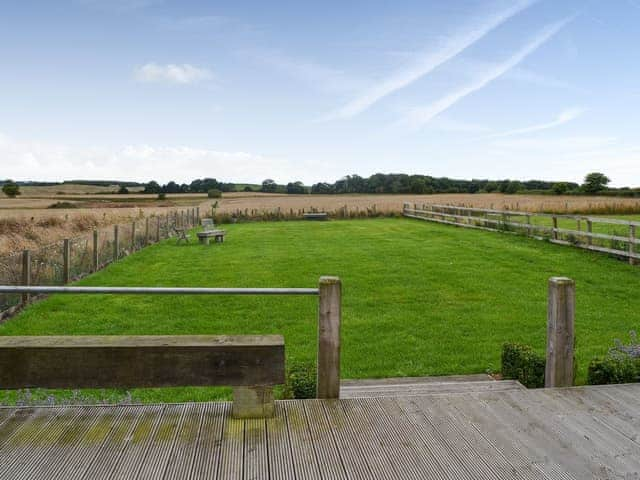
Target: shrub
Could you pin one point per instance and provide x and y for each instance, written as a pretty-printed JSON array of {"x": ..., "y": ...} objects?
[
  {"x": 123, "y": 190},
  {"x": 214, "y": 193},
  {"x": 11, "y": 189},
  {"x": 301, "y": 381},
  {"x": 63, "y": 205},
  {"x": 522, "y": 363},
  {"x": 611, "y": 369},
  {"x": 162, "y": 196}
]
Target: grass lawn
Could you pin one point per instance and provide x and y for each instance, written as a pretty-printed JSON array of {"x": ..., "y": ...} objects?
[{"x": 419, "y": 298}]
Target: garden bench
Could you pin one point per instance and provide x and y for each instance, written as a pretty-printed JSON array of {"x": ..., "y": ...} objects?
[
  {"x": 181, "y": 234},
  {"x": 207, "y": 224},
  {"x": 205, "y": 236},
  {"x": 251, "y": 364},
  {"x": 316, "y": 216}
]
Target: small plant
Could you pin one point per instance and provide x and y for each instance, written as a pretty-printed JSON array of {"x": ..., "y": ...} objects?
[
  {"x": 620, "y": 365},
  {"x": 214, "y": 193},
  {"x": 162, "y": 196},
  {"x": 522, "y": 363},
  {"x": 63, "y": 205},
  {"x": 301, "y": 381}
]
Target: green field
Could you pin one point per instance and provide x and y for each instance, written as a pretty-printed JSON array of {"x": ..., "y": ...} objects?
[{"x": 418, "y": 298}]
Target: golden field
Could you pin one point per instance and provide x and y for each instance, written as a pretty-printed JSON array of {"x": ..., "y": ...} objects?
[{"x": 28, "y": 222}]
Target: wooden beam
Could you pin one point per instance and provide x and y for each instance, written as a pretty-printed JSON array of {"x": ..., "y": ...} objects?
[
  {"x": 116, "y": 243},
  {"x": 329, "y": 319},
  {"x": 559, "y": 371},
  {"x": 66, "y": 261},
  {"x": 140, "y": 361},
  {"x": 95, "y": 258},
  {"x": 26, "y": 274}
]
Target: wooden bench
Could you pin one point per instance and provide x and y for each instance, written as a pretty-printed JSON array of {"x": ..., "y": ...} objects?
[
  {"x": 252, "y": 364},
  {"x": 316, "y": 216},
  {"x": 207, "y": 224},
  {"x": 205, "y": 236},
  {"x": 181, "y": 235}
]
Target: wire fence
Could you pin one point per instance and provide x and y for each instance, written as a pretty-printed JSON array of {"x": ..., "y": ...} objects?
[{"x": 71, "y": 259}]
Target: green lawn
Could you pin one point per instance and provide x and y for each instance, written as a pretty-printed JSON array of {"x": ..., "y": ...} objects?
[{"x": 419, "y": 298}]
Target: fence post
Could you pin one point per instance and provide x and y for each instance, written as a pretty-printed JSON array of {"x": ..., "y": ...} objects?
[
  {"x": 158, "y": 228},
  {"x": 560, "y": 332},
  {"x": 26, "y": 274},
  {"x": 66, "y": 261},
  {"x": 116, "y": 243},
  {"x": 133, "y": 236},
  {"x": 95, "y": 250},
  {"x": 329, "y": 317},
  {"x": 632, "y": 244},
  {"x": 146, "y": 231},
  {"x": 198, "y": 214},
  {"x": 589, "y": 231},
  {"x": 555, "y": 228},
  {"x": 528, "y": 225}
]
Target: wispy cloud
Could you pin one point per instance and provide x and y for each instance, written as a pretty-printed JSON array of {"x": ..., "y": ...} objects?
[
  {"x": 171, "y": 73},
  {"x": 428, "y": 62},
  {"x": 563, "y": 117},
  {"x": 312, "y": 73},
  {"x": 419, "y": 116}
]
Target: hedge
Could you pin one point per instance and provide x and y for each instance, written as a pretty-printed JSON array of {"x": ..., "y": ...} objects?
[{"x": 522, "y": 363}]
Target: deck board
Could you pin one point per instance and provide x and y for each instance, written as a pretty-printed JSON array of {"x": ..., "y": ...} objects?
[{"x": 546, "y": 434}]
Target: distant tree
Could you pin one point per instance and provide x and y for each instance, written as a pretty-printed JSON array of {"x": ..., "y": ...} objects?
[
  {"x": 123, "y": 190},
  {"x": 491, "y": 187},
  {"x": 11, "y": 189},
  {"x": 296, "y": 188},
  {"x": 152, "y": 187},
  {"x": 560, "y": 188},
  {"x": 321, "y": 188},
  {"x": 214, "y": 193},
  {"x": 595, "y": 182},
  {"x": 513, "y": 186},
  {"x": 162, "y": 196},
  {"x": 247, "y": 188},
  {"x": 269, "y": 186},
  {"x": 171, "y": 187}
]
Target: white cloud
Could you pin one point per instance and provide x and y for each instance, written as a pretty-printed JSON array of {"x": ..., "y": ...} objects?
[
  {"x": 171, "y": 73},
  {"x": 428, "y": 62},
  {"x": 32, "y": 160},
  {"x": 563, "y": 117},
  {"x": 419, "y": 116}
]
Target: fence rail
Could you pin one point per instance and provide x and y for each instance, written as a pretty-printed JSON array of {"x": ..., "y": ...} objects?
[
  {"x": 617, "y": 237},
  {"x": 69, "y": 259}
]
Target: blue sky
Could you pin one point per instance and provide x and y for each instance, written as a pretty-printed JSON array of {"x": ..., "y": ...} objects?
[{"x": 312, "y": 91}]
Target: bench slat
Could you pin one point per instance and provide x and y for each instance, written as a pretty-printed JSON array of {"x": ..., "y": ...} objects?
[{"x": 141, "y": 361}]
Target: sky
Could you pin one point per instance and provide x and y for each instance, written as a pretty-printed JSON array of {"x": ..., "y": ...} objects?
[{"x": 312, "y": 91}]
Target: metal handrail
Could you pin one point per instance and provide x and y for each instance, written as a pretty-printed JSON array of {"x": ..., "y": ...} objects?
[{"x": 159, "y": 290}]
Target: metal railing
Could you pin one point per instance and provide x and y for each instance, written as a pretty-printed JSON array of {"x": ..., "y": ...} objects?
[{"x": 329, "y": 294}]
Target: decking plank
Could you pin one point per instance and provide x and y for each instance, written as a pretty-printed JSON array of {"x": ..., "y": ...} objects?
[
  {"x": 305, "y": 461},
  {"x": 323, "y": 441},
  {"x": 232, "y": 456},
  {"x": 180, "y": 462},
  {"x": 206, "y": 461},
  {"x": 256, "y": 465},
  {"x": 279, "y": 445}
]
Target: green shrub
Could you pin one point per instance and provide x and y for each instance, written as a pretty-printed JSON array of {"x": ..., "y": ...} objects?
[
  {"x": 522, "y": 363},
  {"x": 214, "y": 193},
  {"x": 613, "y": 369},
  {"x": 301, "y": 381},
  {"x": 63, "y": 205}
]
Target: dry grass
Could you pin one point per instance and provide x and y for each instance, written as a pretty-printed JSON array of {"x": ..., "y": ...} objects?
[{"x": 393, "y": 203}]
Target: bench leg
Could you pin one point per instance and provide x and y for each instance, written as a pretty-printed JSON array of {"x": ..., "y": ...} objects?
[
  {"x": 253, "y": 402},
  {"x": 204, "y": 240}
]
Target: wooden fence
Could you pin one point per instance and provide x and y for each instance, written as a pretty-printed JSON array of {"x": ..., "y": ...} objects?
[
  {"x": 607, "y": 235},
  {"x": 73, "y": 258}
]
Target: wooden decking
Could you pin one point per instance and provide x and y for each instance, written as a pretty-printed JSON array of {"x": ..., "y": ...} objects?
[{"x": 580, "y": 433}]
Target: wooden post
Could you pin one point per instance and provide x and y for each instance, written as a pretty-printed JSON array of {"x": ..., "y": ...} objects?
[
  {"x": 66, "y": 261},
  {"x": 560, "y": 332},
  {"x": 197, "y": 214},
  {"x": 26, "y": 274},
  {"x": 95, "y": 251},
  {"x": 589, "y": 230},
  {"x": 116, "y": 244},
  {"x": 133, "y": 237},
  {"x": 146, "y": 231},
  {"x": 632, "y": 244},
  {"x": 555, "y": 228},
  {"x": 329, "y": 317},
  {"x": 158, "y": 228},
  {"x": 528, "y": 225}
]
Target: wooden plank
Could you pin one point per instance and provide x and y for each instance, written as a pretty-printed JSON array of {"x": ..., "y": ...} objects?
[
  {"x": 140, "y": 361},
  {"x": 305, "y": 462},
  {"x": 445, "y": 388},
  {"x": 559, "y": 371},
  {"x": 329, "y": 319},
  {"x": 22, "y": 425},
  {"x": 209, "y": 442},
  {"x": 279, "y": 446},
  {"x": 323, "y": 441},
  {"x": 232, "y": 456},
  {"x": 256, "y": 464},
  {"x": 180, "y": 462}
]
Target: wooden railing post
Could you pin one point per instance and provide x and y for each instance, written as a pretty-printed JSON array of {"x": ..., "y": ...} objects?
[
  {"x": 133, "y": 237},
  {"x": 589, "y": 231},
  {"x": 146, "y": 231},
  {"x": 559, "y": 370},
  {"x": 555, "y": 228},
  {"x": 95, "y": 251},
  {"x": 197, "y": 214},
  {"x": 116, "y": 243},
  {"x": 632, "y": 244},
  {"x": 158, "y": 228},
  {"x": 329, "y": 317},
  {"x": 528, "y": 225},
  {"x": 66, "y": 261},
  {"x": 26, "y": 274}
]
